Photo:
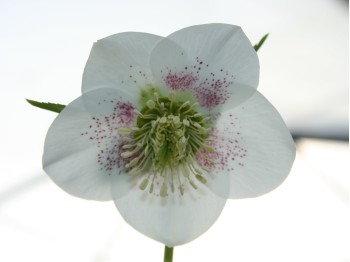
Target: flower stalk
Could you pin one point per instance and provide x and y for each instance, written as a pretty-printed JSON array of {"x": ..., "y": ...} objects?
[{"x": 168, "y": 254}]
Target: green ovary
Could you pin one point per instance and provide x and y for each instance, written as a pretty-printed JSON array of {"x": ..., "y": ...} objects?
[{"x": 163, "y": 143}]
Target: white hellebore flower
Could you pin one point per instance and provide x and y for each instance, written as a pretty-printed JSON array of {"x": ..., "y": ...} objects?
[{"x": 169, "y": 128}]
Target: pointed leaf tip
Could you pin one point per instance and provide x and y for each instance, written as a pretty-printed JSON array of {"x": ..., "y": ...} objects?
[
  {"x": 47, "y": 106},
  {"x": 261, "y": 42}
]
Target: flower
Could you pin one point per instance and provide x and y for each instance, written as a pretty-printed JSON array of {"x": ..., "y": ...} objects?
[{"x": 169, "y": 128}]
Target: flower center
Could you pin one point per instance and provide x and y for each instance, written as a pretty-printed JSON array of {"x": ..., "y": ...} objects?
[{"x": 163, "y": 143}]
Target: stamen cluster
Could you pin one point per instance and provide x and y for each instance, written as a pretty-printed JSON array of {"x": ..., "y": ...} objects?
[{"x": 163, "y": 142}]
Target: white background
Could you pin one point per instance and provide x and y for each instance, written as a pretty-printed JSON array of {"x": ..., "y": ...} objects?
[{"x": 304, "y": 72}]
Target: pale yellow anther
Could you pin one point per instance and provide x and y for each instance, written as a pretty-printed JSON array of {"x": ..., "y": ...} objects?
[
  {"x": 172, "y": 96},
  {"x": 144, "y": 184},
  {"x": 208, "y": 149},
  {"x": 206, "y": 119},
  {"x": 156, "y": 97},
  {"x": 183, "y": 140},
  {"x": 179, "y": 133},
  {"x": 186, "y": 122},
  {"x": 132, "y": 163},
  {"x": 176, "y": 120},
  {"x": 163, "y": 190},
  {"x": 185, "y": 171},
  {"x": 197, "y": 125},
  {"x": 151, "y": 188},
  {"x": 151, "y": 104},
  {"x": 126, "y": 154},
  {"x": 194, "y": 105},
  {"x": 201, "y": 179},
  {"x": 203, "y": 130},
  {"x": 128, "y": 146},
  {"x": 124, "y": 130}
]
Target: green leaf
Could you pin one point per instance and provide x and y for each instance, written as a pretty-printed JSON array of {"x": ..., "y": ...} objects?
[
  {"x": 258, "y": 45},
  {"x": 48, "y": 106}
]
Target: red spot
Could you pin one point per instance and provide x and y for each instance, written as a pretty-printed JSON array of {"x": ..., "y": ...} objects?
[
  {"x": 180, "y": 81},
  {"x": 103, "y": 132},
  {"x": 125, "y": 113}
]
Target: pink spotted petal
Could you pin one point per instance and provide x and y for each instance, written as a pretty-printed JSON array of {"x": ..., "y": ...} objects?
[
  {"x": 216, "y": 63},
  {"x": 253, "y": 147},
  {"x": 82, "y": 147},
  {"x": 171, "y": 67}
]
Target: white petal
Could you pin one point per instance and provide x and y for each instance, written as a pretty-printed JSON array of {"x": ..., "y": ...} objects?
[
  {"x": 215, "y": 62},
  {"x": 174, "y": 220},
  {"x": 216, "y": 181},
  {"x": 255, "y": 148},
  {"x": 120, "y": 61},
  {"x": 81, "y": 146}
]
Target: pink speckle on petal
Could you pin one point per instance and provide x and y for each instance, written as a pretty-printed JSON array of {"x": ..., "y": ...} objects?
[
  {"x": 180, "y": 81},
  {"x": 136, "y": 76},
  {"x": 212, "y": 94},
  {"x": 125, "y": 113},
  {"x": 228, "y": 150},
  {"x": 211, "y": 88},
  {"x": 102, "y": 131}
]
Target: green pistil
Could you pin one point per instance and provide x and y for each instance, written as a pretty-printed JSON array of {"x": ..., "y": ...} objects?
[{"x": 163, "y": 143}]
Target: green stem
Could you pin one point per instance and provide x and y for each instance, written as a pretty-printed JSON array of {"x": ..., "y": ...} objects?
[{"x": 168, "y": 254}]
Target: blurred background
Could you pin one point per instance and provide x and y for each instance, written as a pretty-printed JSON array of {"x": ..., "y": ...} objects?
[{"x": 304, "y": 73}]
